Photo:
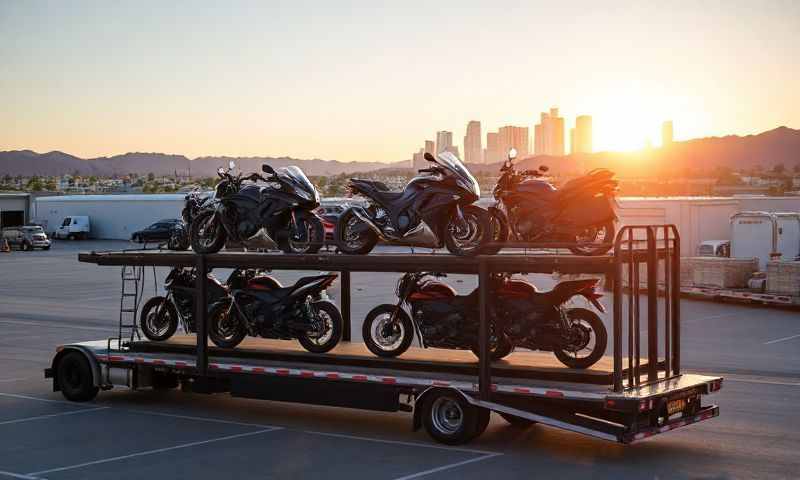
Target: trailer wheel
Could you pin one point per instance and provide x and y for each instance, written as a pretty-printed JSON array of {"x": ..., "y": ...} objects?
[
  {"x": 450, "y": 419},
  {"x": 515, "y": 421},
  {"x": 75, "y": 380}
]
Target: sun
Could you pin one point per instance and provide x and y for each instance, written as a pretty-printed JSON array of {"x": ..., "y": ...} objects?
[{"x": 627, "y": 120}]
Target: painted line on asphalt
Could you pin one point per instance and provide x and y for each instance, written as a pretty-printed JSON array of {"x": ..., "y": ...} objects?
[
  {"x": 56, "y": 325},
  {"x": 152, "y": 452},
  {"x": 782, "y": 339},
  {"x": 8, "y": 380},
  {"x": 764, "y": 382},
  {"x": 448, "y": 466},
  {"x": 201, "y": 419},
  {"x": 52, "y": 415},
  {"x": 399, "y": 442},
  {"x": 28, "y": 397},
  {"x": 18, "y": 475}
]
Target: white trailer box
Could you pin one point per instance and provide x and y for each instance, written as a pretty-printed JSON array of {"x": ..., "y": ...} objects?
[
  {"x": 765, "y": 236},
  {"x": 788, "y": 235}
]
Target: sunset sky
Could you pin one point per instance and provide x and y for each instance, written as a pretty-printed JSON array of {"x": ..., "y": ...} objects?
[{"x": 371, "y": 80}]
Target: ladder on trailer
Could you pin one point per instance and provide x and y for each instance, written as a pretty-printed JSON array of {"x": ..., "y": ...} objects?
[{"x": 132, "y": 287}]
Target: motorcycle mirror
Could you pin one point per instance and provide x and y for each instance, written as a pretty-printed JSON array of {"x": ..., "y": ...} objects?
[
  {"x": 429, "y": 157},
  {"x": 221, "y": 171},
  {"x": 512, "y": 154},
  {"x": 231, "y": 165},
  {"x": 267, "y": 169},
  {"x": 543, "y": 168}
]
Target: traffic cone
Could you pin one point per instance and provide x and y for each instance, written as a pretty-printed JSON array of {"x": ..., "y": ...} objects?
[{"x": 4, "y": 247}]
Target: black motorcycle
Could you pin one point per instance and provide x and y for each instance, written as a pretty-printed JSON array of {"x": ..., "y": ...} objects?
[
  {"x": 194, "y": 202},
  {"x": 279, "y": 214},
  {"x": 300, "y": 312},
  {"x": 530, "y": 209},
  {"x": 520, "y": 316},
  {"x": 160, "y": 315},
  {"x": 433, "y": 210}
]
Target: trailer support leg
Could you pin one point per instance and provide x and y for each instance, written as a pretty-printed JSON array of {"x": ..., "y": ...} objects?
[
  {"x": 485, "y": 361},
  {"x": 344, "y": 302},
  {"x": 201, "y": 319}
]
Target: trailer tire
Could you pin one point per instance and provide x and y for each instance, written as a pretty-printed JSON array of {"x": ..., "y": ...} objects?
[
  {"x": 450, "y": 419},
  {"x": 75, "y": 379},
  {"x": 517, "y": 422}
]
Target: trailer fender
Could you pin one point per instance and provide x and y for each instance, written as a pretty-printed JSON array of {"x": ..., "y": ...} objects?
[
  {"x": 52, "y": 371},
  {"x": 420, "y": 399}
]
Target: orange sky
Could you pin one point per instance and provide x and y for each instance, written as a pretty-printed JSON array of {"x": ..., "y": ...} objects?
[{"x": 363, "y": 81}]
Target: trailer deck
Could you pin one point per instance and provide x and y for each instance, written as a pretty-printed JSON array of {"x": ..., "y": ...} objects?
[{"x": 625, "y": 397}]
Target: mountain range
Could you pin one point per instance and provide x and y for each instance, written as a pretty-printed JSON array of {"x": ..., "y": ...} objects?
[{"x": 702, "y": 155}]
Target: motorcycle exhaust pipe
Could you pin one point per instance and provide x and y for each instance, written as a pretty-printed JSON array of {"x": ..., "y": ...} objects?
[{"x": 361, "y": 216}]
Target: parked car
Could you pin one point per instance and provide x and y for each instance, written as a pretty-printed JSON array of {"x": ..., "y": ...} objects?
[
  {"x": 161, "y": 231},
  {"x": 74, "y": 228},
  {"x": 714, "y": 248},
  {"x": 329, "y": 215},
  {"x": 27, "y": 237}
]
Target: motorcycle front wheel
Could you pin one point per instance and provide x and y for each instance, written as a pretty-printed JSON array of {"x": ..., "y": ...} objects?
[
  {"x": 226, "y": 328},
  {"x": 327, "y": 337},
  {"x": 602, "y": 235},
  {"x": 589, "y": 340},
  {"x": 158, "y": 319},
  {"x": 384, "y": 337},
  {"x": 352, "y": 236},
  {"x": 208, "y": 234},
  {"x": 306, "y": 236},
  {"x": 469, "y": 236}
]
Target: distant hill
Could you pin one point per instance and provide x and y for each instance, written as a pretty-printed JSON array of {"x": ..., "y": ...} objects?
[
  {"x": 702, "y": 155},
  {"x": 27, "y": 163}
]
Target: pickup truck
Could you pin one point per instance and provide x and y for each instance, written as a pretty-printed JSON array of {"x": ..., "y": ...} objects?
[{"x": 27, "y": 237}]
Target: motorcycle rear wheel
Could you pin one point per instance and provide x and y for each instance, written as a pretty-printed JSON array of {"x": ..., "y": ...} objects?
[
  {"x": 374, "y": 334},
  {"x": 499, "y": 234},
  {"x": 208, "y": 234},
  {"x": 469, "y": 239},
  {"x": 607, "y": 229},
  {"x": 353, "y": 243},
  {"x": 593, "y": 325},
  {"x": 333, "y": 323}
]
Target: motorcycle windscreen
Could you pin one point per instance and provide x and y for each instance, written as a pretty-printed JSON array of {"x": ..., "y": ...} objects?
[
  {"x": 449, "y": 161},
  {"x": 299, "y": 182},
  {"x": 589, "y": 210}
]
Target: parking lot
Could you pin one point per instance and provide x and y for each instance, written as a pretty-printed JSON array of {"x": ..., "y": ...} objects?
[{"x": 48, "y": 298}]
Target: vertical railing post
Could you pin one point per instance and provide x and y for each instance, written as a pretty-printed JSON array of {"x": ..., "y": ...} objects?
[
  {"x": 616, "y": 282},
  {"x": 652, "y": 306},
  {"x": 201, "y": 318},
  {"x": 484, "y": 362},
  {"x": 676, "y": 302},
  {"x": 344, "y": 303},
  {"x": 668, "y": 272}
]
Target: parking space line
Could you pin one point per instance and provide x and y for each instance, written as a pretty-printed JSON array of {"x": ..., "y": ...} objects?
[
  {"x": 55, "y": 325},
  {"x": 781, "y": 339},
  {"x": 152, "y": 452},
  {"x": 28, "y": 397},
  {"x": 51, "y": 415},
  {"x": 399, "y": 442},
  {"x": 7, "y": 380},
  {"x": 18, "y": 475},
  {"x": 449, "y": 466},
  {"x": 201, "y": 419}
]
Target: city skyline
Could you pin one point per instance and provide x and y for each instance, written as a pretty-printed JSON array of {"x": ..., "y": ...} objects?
[{"x": 361, "y": 81}]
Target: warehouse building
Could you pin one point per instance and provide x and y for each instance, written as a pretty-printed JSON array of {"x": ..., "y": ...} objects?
[{"x": 15, "y": 209}]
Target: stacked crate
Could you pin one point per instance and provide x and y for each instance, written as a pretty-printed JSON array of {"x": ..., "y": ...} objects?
[
  {"x": 722, "y": 272},
  {"x": 783, "y": 278}
]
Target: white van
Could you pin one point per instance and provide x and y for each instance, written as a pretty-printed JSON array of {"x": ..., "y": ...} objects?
[{"x": 74, "y": 227}]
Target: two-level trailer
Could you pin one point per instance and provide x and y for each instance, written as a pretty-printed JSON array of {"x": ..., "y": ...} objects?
[{"x": 636, "y": 392}]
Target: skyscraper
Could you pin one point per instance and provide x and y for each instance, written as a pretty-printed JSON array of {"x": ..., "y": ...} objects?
[
  {"x": 444, "y": 139},
  {"x": 492, "y": 154},
  {"x": 581, "y": 135},
  {"x": 549, "y": 134},
  {"x": 430, "y": 147},
  {"x": 666, "y": 133},
  {"x": 513, "y": 137},
  {"x": 473, "y": 151},
  {"x": 418, "y": 159}
]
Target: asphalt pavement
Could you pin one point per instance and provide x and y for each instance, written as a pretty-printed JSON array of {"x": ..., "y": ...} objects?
[{"x": 48, "y": 298}]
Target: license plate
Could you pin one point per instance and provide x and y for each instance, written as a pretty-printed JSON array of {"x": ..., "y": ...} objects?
[{"x": 675, "y": 406}]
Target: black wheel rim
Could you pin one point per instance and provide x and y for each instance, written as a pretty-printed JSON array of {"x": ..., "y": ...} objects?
[
  {"x": 385, "y": 334},
  {"x": 207, "y": 233},
  {"x": 323, "y": 327},
  {"x": 583, "y": 339},
  {"x": 158, "y": 320},
  {"x": 353, "y": 240},
  {"x": 466, "y": 234}
]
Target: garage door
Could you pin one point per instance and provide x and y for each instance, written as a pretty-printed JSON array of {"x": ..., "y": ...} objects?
[{"x": 12, "y": 218}]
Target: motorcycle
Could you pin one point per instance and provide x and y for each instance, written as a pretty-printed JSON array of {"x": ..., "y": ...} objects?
[
  {"x": 161, "y": 315},
  {"x": 530, "y": 209},
  {"x": 435, "y": 208},
  {"x": 520, "y": 316},
  {"x": 194, "y": 202},
  {"x": 261, "y": 217},
  {"x": 301, "y": 312}
]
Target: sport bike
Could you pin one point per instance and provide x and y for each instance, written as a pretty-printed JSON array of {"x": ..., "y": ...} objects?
[
  {"x": 530, "y": 209},
  {"x": 520, "y": 316},
  {"x": 433, "y": 210},
  {"x": 280, "y": 213},
  {"x": 161, "y": 314},
  {"x": 301, "y": 311}
]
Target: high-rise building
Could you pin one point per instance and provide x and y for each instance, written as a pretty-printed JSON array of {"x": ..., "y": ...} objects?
[
  {"x": 581, "y": 135},
  {"x": 418, "y": 160},
  {"x": 666, "y": 133},
  {"x": 549, "y": 134},
  {"x": 513, "y": 137},
  {"x": 444, "y": 139},
  {"x": 473, "y": 151},
  {"x": 492, "y": 153},
  {"x": 430, "y": 147},
  {"x": 453, "y": 149}
]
